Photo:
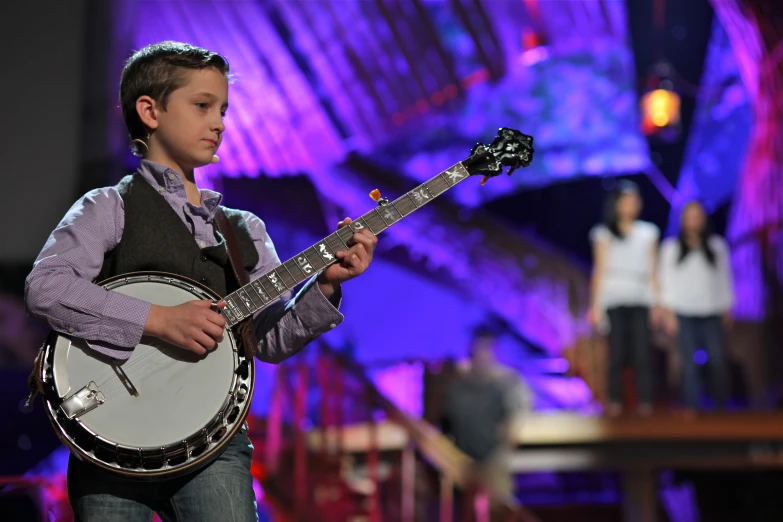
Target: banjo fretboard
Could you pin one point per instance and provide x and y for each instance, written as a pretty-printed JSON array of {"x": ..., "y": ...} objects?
[{"x": 267, "y": 288}]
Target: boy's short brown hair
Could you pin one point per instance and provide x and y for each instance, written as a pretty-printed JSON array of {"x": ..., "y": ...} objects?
[{"x": 156, "y": 71}]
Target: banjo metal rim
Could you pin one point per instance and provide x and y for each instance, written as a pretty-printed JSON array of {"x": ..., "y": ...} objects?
[{"x": 201, "y": 440}]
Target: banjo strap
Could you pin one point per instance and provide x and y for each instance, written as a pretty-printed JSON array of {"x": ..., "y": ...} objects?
[
  {"x": 34, "y": 383},
  {"x": 245, "y": 329}
]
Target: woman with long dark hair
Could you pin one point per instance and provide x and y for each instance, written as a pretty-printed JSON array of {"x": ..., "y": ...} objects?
[
  {"x": 697, "y": 294},
  {"x": 624, "y": 291}
]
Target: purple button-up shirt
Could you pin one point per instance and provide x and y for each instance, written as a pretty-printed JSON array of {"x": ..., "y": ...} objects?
[{"x": 60, "y": 288}]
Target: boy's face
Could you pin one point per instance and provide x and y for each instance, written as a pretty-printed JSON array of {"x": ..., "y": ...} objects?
[{"x": 190, "y": 130}]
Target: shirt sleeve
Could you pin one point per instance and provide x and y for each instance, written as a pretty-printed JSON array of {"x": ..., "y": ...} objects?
[
  {"x": 666, "y": 267},
  {"x": 60, "y": 288},
  {"x": 599, "y": 233},
  {"x": 654, "y": 232},
  {"x": 725, "y": 283},
  {"x": 290, "y": 323}
]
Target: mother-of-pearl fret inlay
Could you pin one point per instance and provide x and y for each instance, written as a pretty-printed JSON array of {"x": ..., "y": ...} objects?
[
  {"x": 304, "y": 264},
  {"x": 256, "y": 284},
  {"x": 245, "y": 299},
  {"x": 420, "y": 196},
  {"x": 230, "y": 316},
  {"x": 456, "y": 173},
  {"x": 275, "y": 280},
  {"x": 327, "y": 254},
  {"x": 390, "y": 214},
  {"x": 289, "y": 273},
  {"x": 231, "y": 308}
]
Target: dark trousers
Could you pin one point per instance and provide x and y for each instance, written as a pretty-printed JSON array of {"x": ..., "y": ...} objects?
[
  {"x": 706, "y": 332},
  {"x": 629, "y": 337}
]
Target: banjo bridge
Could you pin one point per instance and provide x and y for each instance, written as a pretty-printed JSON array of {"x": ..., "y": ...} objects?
[{"x": 84, "y": 400}]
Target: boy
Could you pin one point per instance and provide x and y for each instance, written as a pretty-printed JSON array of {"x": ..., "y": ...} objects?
[{"x": 174, "y": 97}]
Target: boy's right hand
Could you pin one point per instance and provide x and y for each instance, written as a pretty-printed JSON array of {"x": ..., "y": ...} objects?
[{"x": 193, "y": 325}]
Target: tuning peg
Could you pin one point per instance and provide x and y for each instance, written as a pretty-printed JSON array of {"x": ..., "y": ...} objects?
[
  {"x": 375, "y": 195},
  {"x": 484, "y": 180}
]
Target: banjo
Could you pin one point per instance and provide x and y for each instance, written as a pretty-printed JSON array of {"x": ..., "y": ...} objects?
[{"x": 164, "y": 412}]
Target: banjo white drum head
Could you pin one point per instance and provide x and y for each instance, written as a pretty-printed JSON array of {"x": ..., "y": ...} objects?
[{"x": 178, "y": 392}]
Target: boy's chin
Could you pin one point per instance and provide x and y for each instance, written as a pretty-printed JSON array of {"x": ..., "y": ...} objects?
[{"x": 202, "y": 160}]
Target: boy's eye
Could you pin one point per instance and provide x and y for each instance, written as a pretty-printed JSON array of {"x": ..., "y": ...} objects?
[{"x": 201, "y": 105}]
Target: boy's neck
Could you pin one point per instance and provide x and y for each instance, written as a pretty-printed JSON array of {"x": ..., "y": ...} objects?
[{"x": 186, "y": 174}]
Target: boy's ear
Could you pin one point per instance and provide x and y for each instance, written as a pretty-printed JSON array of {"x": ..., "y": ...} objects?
[{"x": 147, "y": 108}]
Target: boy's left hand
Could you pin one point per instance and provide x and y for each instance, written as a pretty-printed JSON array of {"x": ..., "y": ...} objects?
[{"x": 352, "y": 262}]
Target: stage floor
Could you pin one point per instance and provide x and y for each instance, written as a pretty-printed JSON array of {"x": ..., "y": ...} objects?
[
  {"x": 561, "y": 429},
  {"x": 561, "y": 441}
]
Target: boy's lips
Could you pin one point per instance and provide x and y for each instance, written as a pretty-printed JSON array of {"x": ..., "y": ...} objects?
[{"x": 211, "y": 142}]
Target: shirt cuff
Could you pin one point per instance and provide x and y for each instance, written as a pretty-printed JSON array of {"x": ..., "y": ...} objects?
[
  {"x": 110, "y": 350},
  {"x": 124, "y": 318},
  {"x": 318, "y": 313}
]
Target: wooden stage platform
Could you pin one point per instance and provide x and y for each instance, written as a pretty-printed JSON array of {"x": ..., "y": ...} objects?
[{"x": 549, "y": 442}]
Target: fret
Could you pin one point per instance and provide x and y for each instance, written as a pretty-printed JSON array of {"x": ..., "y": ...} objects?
[
  {"x": 277, "y": 281},
  {"x": 296, "y": 270},
  {"x": 419, "y": 197},
  {"x": 247, "y": 299},
  {"x": 405, "y": 205},
  {"x": 258, "y": 288},
  {"x": 325, "y": 251},
  {"x": 392, "y": 213},
  {"x": 303, "y": 264},
  {"x": 455, "y": 174},
  {"x": 360, "y": 224},
  {"x": 410, "y": 198},
  {"x": 334, "y": 242},
  {"x": 230, "y": 317},
  {"x": 287, "y": 277},
  {"x": 378, "y": 223},
  {"x": 437, "y": 186},
  {"x": 343, "y": 241},
  {"x": 378, "y": 212},
  {"x": 269, "y": 287},
  {"x": 312, "y": 256},
  {"x": 345, "y": 235},
  {"x": 233, "y": 309}
]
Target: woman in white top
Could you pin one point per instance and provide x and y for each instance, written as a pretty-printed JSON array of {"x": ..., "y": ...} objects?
[
  {"x": 697, "y": 294},
  {"x": 624, "y": 291}
]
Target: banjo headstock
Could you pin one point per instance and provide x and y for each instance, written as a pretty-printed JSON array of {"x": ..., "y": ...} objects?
[{"x": 510, "y": 148}]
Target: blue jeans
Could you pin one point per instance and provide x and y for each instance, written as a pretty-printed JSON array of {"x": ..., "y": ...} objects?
[
  {"x": 222, "y": 491},
  {"x": 696, "y": 332}
]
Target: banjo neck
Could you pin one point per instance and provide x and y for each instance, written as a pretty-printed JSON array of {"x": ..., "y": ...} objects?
[
  {"x": 264, "y": 290},
  {"x": 510, "y": 148}
]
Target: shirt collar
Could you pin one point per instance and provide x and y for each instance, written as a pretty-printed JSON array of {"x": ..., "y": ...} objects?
[{"x": 166, "y": 181}]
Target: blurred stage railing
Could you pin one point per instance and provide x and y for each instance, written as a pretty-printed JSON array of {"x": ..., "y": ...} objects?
[{"x": 336, "y": 449}]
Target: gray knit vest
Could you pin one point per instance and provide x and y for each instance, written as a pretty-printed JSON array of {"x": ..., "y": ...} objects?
[{"x": 156, "y": 239}]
